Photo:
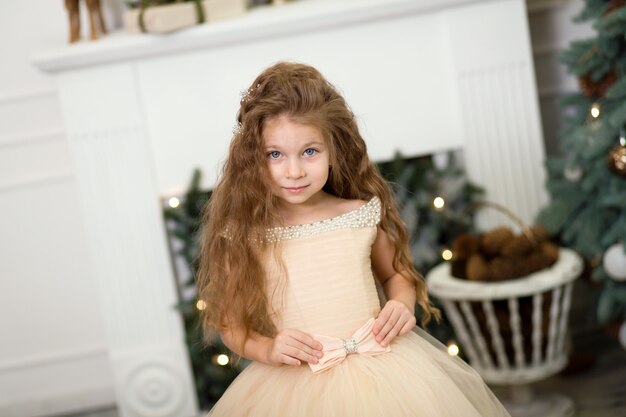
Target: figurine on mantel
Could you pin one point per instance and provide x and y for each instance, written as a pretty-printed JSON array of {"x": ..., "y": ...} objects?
[{"x": 96, "y": 22}]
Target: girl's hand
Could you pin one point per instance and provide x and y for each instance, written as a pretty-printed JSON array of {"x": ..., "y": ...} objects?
[
  {"x": 292, "y": 347},
  {"x": 395, "y": 319}
]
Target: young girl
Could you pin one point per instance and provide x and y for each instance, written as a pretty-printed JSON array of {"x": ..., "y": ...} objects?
[{"x": 299, "y": 226}]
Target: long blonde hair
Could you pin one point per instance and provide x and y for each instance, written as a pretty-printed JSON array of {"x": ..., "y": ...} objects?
[{"x": 231, "y": 279}]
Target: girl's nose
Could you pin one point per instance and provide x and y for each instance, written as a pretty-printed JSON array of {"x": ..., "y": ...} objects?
[{"x": 294, "y": 169}]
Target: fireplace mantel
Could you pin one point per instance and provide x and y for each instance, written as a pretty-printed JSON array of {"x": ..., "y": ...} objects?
[
  {"x": 141, "y": 112},
  {"x": 261, "y": 22}
]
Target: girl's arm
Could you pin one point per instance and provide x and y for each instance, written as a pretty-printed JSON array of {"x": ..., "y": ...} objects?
[
  {"x": 289, "y": 347},
  {"x": 398, "y": 315}
]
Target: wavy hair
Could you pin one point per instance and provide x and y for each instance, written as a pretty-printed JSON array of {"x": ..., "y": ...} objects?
[{"x": 231, "y": 278}]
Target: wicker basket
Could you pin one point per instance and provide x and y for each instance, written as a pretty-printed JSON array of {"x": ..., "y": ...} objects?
[{"x": 494, "y": 342}]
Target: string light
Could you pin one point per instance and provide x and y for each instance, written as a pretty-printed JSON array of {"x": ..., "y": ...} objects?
[
  {"x": 453, "y": 349},
  {"x": 222, "y": 359},
  {"x": 439, "y": 202},
  {"x": 595, "y": 110},
  {"x": 446, "y": 254},
  {"x": 201, "y": 305},
  {"x": 173, "y": 202}
]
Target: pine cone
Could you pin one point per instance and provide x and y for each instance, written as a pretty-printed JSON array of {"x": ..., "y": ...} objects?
[
  {"x": 458, "y": 268},
  {"x": 539, "y": 232},
  {"x": 500, "y": 269},
  {"x": 464, "y": 246},
  {"x": 614, "y": 5},
  {"x": 477, "y": 269},
  {"x": 551, "y": 251},
  {"x": 517, "y": 246},
  {"x": 537, "y": 261},
  {"x": 598, "y": 88},
  {"x": 492, "y": 242}
]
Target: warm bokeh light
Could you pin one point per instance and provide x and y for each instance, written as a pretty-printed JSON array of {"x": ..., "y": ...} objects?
[
  {"x": 446, "y": 254},
  {"x": 595, "y": 110},
  {"x": 223, "y": 359},
  {"x": 453, "y": 349},
  {"x": 439, "y": 202},
  {"x": 173, "y": 202},
  {"x": 201, "y": 305}
]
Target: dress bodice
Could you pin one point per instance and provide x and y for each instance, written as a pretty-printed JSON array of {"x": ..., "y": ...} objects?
[
  {"x": 329, "y": 286},
  {"x": 327, "y": 289}
]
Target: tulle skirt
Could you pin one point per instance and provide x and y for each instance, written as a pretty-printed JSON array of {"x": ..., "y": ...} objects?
[{"x": 417, "y": 378}]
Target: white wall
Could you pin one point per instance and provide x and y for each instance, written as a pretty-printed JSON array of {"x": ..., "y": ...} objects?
[
  {"x": 52, "y": 351},
  {"x": 52, "y": 355}
]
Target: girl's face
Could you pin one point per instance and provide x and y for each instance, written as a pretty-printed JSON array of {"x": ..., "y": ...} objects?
[{"x": 298, "y": 160}]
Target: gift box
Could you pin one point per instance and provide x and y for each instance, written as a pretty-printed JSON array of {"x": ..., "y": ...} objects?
[{"x": 172, "y": 17}]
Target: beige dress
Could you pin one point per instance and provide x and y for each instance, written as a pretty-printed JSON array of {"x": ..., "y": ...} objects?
[{"x": 330, "y": 293}]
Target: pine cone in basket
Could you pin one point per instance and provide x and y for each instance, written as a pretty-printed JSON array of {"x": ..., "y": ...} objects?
[
  {"x": 464, "y": 246},
  {"x": 519, "y": 245},
  {"x": 539, "y": 232},
  {"x": 500, "y": 255},
  {"x": 477, "y": 269},
  {"x": 507, "y": 267},
  {"x": 544, "y": 258},
  {"x": 550, "y": 250},
  {"x": 493, "y": 241}
]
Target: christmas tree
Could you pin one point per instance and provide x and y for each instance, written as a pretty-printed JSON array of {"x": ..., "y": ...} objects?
[
  {"x": 587, "y": 182},
  {"x": 214, "y": 366}
]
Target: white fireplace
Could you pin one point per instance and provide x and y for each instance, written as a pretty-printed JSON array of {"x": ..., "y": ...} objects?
[{"x": 141, "y": 112}]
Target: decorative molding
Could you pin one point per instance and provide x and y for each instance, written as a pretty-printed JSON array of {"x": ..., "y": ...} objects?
[
  {"x": 52, "y": 358},
  {"x": 495, "y": 104},
  {"x": 60, "y": 403},
  {"x": 153, "y": 381},
  {"x": 7, "y": 98},
  {"x": 37, "y": 180},
  {"x": 155, "y": 389},
  {"x": 42, "y": 135}
]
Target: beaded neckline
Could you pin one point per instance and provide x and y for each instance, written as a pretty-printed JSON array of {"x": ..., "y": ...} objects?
[{"x": 368, "y": 215}]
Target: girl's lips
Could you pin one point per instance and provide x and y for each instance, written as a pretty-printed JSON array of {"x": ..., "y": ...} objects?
[{"x": 294, "y": 190}]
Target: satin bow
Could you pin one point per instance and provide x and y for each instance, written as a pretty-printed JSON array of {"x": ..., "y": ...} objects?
[{"x": 335, "y": 349}]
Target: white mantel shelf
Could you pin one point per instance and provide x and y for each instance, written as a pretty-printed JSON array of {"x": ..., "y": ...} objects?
[{"x": 258, "y": 23}]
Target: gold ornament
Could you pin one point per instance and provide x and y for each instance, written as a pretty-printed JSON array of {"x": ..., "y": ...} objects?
[{"x": 617, "y": 156}]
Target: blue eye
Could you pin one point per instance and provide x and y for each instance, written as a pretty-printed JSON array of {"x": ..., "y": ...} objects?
[
  {"x": 310, "y": 152},
  {"x": 274, "y": 154}
]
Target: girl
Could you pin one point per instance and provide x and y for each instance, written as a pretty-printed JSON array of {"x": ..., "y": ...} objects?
[{"x": 297, "y": 229}]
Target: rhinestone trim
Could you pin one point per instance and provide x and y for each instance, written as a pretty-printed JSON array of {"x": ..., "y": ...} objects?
[
  {"x": 350, "y": 346},
  {"x": 368, "y": 215}
]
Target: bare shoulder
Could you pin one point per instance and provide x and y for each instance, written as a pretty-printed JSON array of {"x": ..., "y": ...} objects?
[{"x": 345, "y": 206}]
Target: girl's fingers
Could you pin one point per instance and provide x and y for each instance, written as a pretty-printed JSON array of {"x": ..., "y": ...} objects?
[
  {"x": 382, "y": 318},
  {"x": 295, "y": 343},
  {"x": 299, "y": 354},
  {"x": 407, "y": 327},
  {"x": 292, "y": 347},
  {"x": 388, "y": 326},
  {"x": 393, "y": 333},
  {"x": 307, "y": 340},
  {"x": 288, "y": 360}
]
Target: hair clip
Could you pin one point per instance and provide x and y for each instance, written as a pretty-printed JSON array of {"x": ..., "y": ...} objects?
[
  {"x": 245, "y": 94},
  {"x": 237, "y": 128}
]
